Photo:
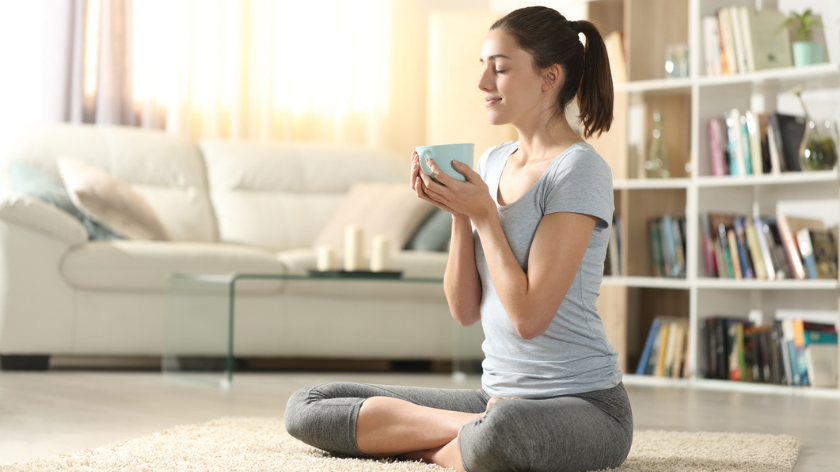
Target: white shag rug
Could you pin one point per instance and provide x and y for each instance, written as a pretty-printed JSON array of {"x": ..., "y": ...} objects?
[{"x": 257, "y": 444}]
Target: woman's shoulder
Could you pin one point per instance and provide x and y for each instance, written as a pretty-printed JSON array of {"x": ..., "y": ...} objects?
[{"x": 582, "y": 158}]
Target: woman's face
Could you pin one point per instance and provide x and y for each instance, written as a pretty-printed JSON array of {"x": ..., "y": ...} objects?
[{"x": 513, "y": 90}]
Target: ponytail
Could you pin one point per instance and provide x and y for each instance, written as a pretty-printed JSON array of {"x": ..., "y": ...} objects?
[
  {"x": 551, "y": 39},
  {"x": 595, "y": 95}
]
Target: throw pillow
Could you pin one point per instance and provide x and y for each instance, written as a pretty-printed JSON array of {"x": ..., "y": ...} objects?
[
  {"x": 392, "y": 210},
  {"x": 433, "y": 234},
  {"x": 31, "y": 181},
  {"x": 110, "y": 201}
]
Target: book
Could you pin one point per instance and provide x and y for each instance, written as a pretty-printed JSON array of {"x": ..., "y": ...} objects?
[
  {"x": 657, "y": 261},
  {"x": 707, "y": 247},
  {"x": 767, "y": 259},
  {"x": 669, "y": 249},
  {"x": 663, "y": 348},
  {"x": 770, "y": 46},
  {"x": 825, "y": 253},
  {"x": 729, "y": 62},
  {"x": 711, "y": 45},
  {"x": 717, "y": 148},
  {"x": 774, "y": 145},
  {"x": 803, "y": 241},
  {"x": 821, "y": 364},
  {"x": 738, "y": 38},
  {"x": 764, "y": 142},
  {"x": 744, "y": 256},
  {"x": 756, "y": 254},
  {"x": 787, "y": 230},
  {"x": 650, "y": 369},
  {"x": 679, "y": 367},
  {"x": 735, "y": 256},
  {"x": 720, "y": 224},
  {"x": 679, "y": 245},
  {"x": 791, "y": 130},
  {"x": 735, "y": 146},
  {"x": 746, "y": 37},
  {"x": 668, "y": 362},
  {"x": 756, "y": 159},
  {"x": 641, "y": 369},
  {"x": 746, "y": 145}
]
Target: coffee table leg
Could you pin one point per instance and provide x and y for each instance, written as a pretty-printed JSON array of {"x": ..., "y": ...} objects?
[{"x": 197, "y": 334}]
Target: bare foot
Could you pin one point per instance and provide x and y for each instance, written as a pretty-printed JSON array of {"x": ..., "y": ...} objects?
[{"x": 495, "y": 400}]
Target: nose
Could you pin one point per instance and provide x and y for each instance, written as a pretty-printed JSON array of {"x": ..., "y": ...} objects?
[{"x": 485, "y": 81}]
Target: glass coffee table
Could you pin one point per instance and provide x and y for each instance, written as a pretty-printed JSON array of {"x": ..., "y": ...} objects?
[{"x": 199, "y": 320}]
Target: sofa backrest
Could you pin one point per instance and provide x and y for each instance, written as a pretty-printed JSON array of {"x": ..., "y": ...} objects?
[
  {"x": 281, "y": 195},
  {"x": 167, "y": 171}
]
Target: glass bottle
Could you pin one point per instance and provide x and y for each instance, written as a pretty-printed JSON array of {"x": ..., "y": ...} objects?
[
  {"x": 818, "y": 150},
  {"x": 656, "y": 163}
]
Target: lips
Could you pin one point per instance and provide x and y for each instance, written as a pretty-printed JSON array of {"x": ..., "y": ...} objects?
[{"x": 489, "y": 102}]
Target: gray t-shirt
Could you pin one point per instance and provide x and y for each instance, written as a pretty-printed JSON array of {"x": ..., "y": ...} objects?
[{"x": 573, "y": 355}]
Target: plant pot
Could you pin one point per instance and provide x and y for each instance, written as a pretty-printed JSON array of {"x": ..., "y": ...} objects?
[
  {"x": 818, "y": 150},
  {"x": 806, "y": 53}
]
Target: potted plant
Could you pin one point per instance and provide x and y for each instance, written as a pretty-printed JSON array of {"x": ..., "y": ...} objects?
[{"x": 805, "y": 50}]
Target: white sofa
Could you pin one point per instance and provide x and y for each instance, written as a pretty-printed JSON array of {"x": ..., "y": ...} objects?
[{"x": 229, "y": 207}]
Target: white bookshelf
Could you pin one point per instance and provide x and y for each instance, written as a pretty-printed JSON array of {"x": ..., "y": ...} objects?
[{"x": 692, "y": 102}]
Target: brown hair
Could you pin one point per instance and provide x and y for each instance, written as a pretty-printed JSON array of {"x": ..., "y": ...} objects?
[{"x": 552, "y": 39}]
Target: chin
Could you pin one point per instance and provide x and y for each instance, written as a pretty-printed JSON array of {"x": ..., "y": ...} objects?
[{"x": 496, "y": 120}]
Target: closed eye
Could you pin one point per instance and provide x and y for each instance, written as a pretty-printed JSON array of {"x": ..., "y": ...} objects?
[{"x": 500, "y": 71}]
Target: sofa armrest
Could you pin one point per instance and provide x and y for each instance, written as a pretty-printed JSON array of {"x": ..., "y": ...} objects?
[{"x": 42, "y": 217}]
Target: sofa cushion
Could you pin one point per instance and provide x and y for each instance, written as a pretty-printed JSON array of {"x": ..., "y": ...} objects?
[
  {"x": 110, "y": 201},
  {"x": 145, "y": 265},
  {"x": 29, "y": 180},
  {"x": 387, "y": 209},
  {"x": 167, "y": 171},
  {"x": 281, "y": 195},
  {"x": 433, "y": 234}
]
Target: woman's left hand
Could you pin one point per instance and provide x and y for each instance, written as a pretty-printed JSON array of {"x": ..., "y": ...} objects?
[{"x": 471, "y": 198}]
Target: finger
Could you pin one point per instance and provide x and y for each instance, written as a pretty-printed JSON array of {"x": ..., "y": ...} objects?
[
  {"x": 415, "y": 168},
  {"x": 433, "y": 186},
  {"x": 466, "y": 170},
  {"x": 439, "y": 174}
]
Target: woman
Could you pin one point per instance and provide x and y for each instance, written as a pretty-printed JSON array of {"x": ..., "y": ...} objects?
[{"x": 529, "y": 237}]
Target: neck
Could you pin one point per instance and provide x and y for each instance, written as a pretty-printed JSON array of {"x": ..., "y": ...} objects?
[{"x": 540, "y": 139}]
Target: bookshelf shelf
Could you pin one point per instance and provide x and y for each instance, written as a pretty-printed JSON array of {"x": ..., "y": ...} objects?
[
  {"x": 726, "y": 284},
  {"x": 782, "y": 179},
  {"x": 629, "y": 304},
  {"x": 645, "y": 282},
  {"x": 655, "y": 85},
  {"x": 645, "y": 184},
  {"x": 787, "y": 74},
  {"x": 725, "y": 385}
]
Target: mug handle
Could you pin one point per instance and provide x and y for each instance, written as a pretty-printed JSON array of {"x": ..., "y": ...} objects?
[{"x": 423, "y": 155}]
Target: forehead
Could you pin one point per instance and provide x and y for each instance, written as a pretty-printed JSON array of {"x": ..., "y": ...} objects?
[{"x": 497, "y": 42}]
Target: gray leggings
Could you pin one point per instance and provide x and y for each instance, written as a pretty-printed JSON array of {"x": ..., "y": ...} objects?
[{"x": 577, "y": 432}]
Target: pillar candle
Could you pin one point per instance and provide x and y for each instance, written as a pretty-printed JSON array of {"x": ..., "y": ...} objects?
[
  {"x": 380, "y": 254},
  {"x": 327, "y": 258},
  {"x": 354, "y": 249}
]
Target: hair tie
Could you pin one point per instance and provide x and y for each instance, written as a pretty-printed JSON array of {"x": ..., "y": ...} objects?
[{"x": 575, "y": 26}]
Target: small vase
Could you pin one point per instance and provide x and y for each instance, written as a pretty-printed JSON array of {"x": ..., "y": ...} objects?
[
  {"x": 806, "y": 53},
  {"x": 818, "y": 150}
]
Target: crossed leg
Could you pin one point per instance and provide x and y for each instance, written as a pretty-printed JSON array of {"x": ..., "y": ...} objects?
[{"x": 393, "y": 427}]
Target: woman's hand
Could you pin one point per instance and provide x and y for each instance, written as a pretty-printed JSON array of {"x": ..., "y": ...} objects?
[
  {"x": 470, "y": 198},
  {"x": 417, "y": 184}
]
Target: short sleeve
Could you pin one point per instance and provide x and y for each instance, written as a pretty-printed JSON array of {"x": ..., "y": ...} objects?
[{"x": 581, "y": 183}]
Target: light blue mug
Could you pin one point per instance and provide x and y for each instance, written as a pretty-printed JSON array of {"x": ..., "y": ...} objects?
[{"x": 443, "y": 155}]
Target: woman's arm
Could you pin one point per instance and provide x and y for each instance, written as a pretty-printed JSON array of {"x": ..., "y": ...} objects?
[
  {"x": 530, "y": 299},
  {"x": 460, "y": 281}
]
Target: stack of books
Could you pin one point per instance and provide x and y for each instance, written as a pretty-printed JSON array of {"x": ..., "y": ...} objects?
[
  {"x": 667, "y": 246},
  {"x": 752, "y": 143},
  {"x": 791, "y": 352},
  {"x": 785, "y": 247},
  {"x": 740, "y": 39},
  {"x": 666, "y": 350}
]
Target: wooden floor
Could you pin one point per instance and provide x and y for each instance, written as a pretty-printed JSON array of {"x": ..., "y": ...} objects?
[{"x": 54, "y": 412}]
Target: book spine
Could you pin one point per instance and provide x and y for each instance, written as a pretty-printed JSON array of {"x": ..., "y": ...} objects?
[
  {"x": 803, "y": 241},
  {"x": 738, "y": 39},
  {"x": 756, "y": 255},
  {"x": 745, "y": 145},
  {"x": 725, "y": 251},
  {"x": 746, "y": 34},
  {"x": 663, "y": 349},
  {"x": 711, "y": 43},
  {"x": 744, "y": 256},
  {"x": 765, "y": 251},
  {"x": 736, "y": 257},
  {"x": 755, "y": 143},
  {"x": 790, "y": 247},
  {"x": 717, "y": 148},
  {"x": 643, "y": 362}
]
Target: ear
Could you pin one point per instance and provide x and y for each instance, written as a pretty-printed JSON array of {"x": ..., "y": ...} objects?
[{"x": 552, "y": 77}]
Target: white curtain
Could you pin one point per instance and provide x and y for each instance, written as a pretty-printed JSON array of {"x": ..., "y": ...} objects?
[{"x": 264, "y": 69}]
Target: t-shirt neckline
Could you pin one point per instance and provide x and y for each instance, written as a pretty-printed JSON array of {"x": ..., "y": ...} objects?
[{"x": 515, "y": 148}]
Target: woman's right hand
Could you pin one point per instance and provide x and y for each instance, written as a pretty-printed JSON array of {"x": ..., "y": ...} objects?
[{"x": 418, "y": 186}]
